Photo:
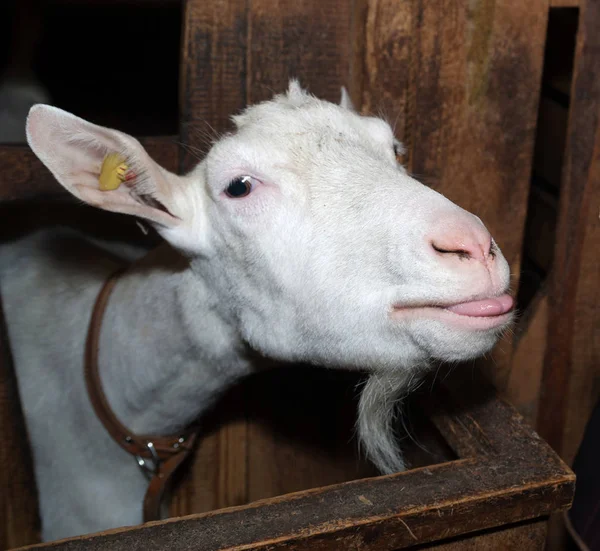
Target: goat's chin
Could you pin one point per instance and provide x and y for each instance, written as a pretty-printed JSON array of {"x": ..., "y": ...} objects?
[{"x": 447, "y": 342}]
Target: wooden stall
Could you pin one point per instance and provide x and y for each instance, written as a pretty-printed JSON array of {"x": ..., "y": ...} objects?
[{"x": 461, "y": 82}]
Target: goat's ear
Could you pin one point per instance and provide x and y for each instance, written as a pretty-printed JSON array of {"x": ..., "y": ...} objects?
[
  {"x": 345, "y": 100},
  {"x": 74, "y": 151}
]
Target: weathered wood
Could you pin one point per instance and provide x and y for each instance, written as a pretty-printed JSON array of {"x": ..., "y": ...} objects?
[
  {"x": 572, "y": 363},
  {"x": 310, "y": 40},
  {"x": 525, "y": 379},
  {"x": 212, "y": 88},
  {"x": 290, "y": 448},
  {"x": 388, "y": 56},
  {"x": 24, "y": 177},
  {"x": 515, "y": 478},
  {"x": 475, "y": 114},
  {"x": 305, "y": 40},
  {"x": 524, "y": 536},
  {"x": 473, "y": 71},
  {"x": 19, "y": 523},
  {"x": 213, "y": 72}
]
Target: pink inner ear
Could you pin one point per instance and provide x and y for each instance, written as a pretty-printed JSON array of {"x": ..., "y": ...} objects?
[{"x": 119, "y": 200}]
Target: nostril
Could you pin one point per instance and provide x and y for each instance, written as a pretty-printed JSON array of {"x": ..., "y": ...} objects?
[{"x": 461, "y": 253}]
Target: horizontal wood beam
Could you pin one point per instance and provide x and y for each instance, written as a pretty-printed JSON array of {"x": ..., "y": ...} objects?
[{"x": 514, "y": 477}]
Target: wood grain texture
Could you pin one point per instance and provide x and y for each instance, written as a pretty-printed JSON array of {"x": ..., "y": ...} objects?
[
  {"x": 290, "y": 447},
  {"x": 310, "y": 40},
  {"x": 516, "y": 477},
  {"x": 212, "y": 88},
  {"x": 476, "y": 86},
  {"x": 388, "y": 63},
  {"x": 462, "y": 79},
  {"x": 19, "y": 523},
  {"x": 213, "y": 72},
  {"x": 528, "y": 536},
  {"x": 571, "y": 380},
  {"x": 525, "y": 379}
]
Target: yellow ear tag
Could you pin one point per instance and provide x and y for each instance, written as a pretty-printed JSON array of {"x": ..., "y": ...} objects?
[{"x": 113, "y": 172}]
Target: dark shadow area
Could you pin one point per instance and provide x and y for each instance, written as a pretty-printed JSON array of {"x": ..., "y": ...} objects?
[
  {"x": 114, "y": 63},
  {"x": 542, "y": 209}
]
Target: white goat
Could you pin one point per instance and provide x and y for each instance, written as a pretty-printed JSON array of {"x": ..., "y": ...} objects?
[{"x": 299, "y": 236}]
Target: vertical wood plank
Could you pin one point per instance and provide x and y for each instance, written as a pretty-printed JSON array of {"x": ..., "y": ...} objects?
[
  {"x": 213, "y": 70},
  {"x": 570, "y": 386},
  {"x": 212, "y": 88},
  {"x": 388, "y": 58},
  {"x": 477, "y": 70},
  {"x": 19, "y": 523},
  {"x": 528, "y": 536},
  {"x": 320, "y": 43},
  {"x": 311, "y": 40},
  {"x": 461, "y": 80},
  {"x": 301, "y": 425},
  {"x": 525, "y": 378}
]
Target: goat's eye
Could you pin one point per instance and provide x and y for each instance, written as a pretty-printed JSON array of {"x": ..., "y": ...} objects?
[{"x": 240, "y": 187}]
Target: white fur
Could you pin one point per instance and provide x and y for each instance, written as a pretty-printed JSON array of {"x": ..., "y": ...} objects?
[{"x": 305, "y": 268}]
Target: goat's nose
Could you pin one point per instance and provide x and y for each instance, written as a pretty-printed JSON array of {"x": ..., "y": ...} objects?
[{"x": 465, "y": 242}]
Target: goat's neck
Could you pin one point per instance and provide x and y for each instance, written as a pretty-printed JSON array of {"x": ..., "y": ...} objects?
[{"x": 165, "y": 352}]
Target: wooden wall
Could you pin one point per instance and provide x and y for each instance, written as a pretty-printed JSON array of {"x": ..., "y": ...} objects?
[{"x": 460, "y": 81}]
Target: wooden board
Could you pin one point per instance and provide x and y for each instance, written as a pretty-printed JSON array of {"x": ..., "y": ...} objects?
[
  {"x": 212, "y": 88},
  {"x": 310, "y": 40},
  {"x": 572, "y": 364},
  {"x": 212, "y": 74},
  {"x": 234, "y": 55},
  {"x": 505, "y": 475},
  {"x": 462, "y": 80}
]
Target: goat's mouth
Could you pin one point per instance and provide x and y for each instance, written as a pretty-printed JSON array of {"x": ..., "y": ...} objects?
[{"x": 488, "y": 313}]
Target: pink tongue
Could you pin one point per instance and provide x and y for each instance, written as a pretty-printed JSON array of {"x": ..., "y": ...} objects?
[{"x": 483, "y": 308}]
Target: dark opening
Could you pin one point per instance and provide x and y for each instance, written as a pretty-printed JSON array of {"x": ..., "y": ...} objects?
[
  {"x": 114, "y": 63},
  {"x": 540, "y": 227}
]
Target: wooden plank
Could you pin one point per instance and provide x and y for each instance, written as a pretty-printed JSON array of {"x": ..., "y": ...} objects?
[
  {"x": 388, "y": 58},
  {"x": 24, "y": 177},
  {"x": 525, "y": 379},
  {"x": 289, "y": 447},
  {"x": 520, "y": 479},
  {"x": 529, "y": 535},
  {"x": 212, "y": 88},
  {"x": 19, "y": 523},
  {"x": 336, "y": 518},
  {"x": 213, "y": 72},
  {"x": 476, "y": 73},
  {"x": 311, "y": 40},
  {"x": 572, "y": 363}
]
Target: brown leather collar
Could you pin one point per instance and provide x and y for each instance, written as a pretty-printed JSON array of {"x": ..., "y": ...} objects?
[{"x": 158, "y": 456}]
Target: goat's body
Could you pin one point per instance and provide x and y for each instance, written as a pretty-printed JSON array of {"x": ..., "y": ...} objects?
[
  {"x": 286, "y": 239},
  {"x": 61, "y": 274}
]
